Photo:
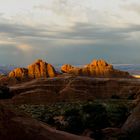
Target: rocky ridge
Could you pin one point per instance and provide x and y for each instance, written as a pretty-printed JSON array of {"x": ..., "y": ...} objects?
[
  {"x": 36, "y": 70},
  {"x": 97, "y": 68},
  {"x": 41, "y": 69},
  {"x": 70, "y": 88}
]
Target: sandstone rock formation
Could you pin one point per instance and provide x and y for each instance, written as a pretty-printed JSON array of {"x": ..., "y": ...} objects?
[
  {"x": 67, "y": 68},
  {"x": 36, "y": 70},
  {"x": 41, "y": 69},
  {"x": 18, "y": 126},
  {"x": 19, "y": 73},
  {"x": 132, "y": 125},
  {"x": 97, "y": 68}
]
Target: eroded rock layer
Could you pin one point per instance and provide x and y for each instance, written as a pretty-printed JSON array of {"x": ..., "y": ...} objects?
[{"x": 77, "y": 88}]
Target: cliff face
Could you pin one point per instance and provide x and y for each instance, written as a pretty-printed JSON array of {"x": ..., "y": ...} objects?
[
  {"x": 97, "y": 68},
  {"x": 36, "y": 70},
  {"x": 41, "y": 69}
]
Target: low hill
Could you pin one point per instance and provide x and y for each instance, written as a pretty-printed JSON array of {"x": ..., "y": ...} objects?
[{"x": 70, "y": 88}]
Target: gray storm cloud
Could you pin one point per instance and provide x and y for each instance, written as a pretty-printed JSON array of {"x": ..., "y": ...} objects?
[{"x": 63, "y": 31}]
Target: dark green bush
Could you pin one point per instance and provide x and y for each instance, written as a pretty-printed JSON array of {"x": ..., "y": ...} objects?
[
  {"x": 94, "y": 116},
  {"x": 71, "y": 112},
  {"x": 74, "y": 121},
  {"x": 115, "y": 97},
  {"x": 79, "y": 116},
  {"x": 117, "y": 114}
]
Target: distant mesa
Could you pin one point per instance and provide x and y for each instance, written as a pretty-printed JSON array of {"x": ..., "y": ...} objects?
[
  {"x": 97, "y": 68},
  {"x": 36, "y": 70}
]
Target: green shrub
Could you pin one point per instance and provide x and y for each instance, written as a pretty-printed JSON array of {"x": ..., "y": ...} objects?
[
  {"x": 77, "y": 117},
  {"x": 94, "y": 116},
  {"x": 115, "y": 97},
  {"x": 74, "y": 122}
]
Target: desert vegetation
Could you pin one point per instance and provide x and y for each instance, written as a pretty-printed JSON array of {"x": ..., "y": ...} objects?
[{"x": 79, "y": 117}]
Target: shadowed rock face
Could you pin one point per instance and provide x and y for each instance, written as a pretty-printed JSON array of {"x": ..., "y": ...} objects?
[
  {"x": 36, "y": 70},
  {"x": 97, "y": 68},
  {"x": 40, "y": 69},
  {"x": 48, "y": 90},
  {"x": 132, "y": 125},
  {"x": 18, "y": 126}
]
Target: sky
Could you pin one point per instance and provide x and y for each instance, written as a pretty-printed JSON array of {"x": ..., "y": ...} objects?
[{"x": 69, "y": 31}]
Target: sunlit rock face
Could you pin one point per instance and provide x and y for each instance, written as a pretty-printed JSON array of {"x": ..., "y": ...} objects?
[
  {"x": 67, "y": 68},
  {"x": 19, "y": 73},
  {"x": 36, "y": 70},
  {"x": 97, "y": 68},
  {"x": 41, "y": 69}
]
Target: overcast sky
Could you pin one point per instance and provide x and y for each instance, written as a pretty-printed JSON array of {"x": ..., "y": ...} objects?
[{"x": 69, "y": 31}]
